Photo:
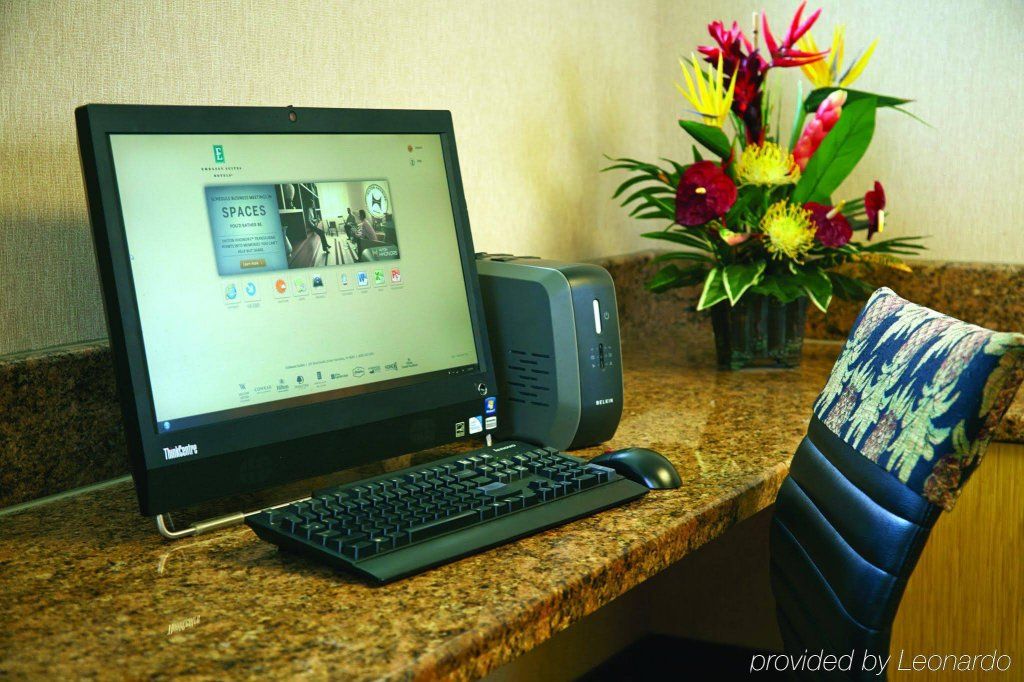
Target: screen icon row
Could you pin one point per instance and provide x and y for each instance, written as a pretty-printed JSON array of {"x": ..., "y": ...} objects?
[{"x": 287, "y": 285}]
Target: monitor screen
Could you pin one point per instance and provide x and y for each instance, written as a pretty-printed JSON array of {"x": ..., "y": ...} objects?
[{"x": 272, "y": 270}]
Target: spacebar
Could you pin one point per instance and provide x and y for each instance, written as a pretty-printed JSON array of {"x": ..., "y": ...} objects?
[{"x": 454, "y": 522}]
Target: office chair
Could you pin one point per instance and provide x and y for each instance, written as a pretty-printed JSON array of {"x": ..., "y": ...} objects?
[{"x": 902, "y": 423}]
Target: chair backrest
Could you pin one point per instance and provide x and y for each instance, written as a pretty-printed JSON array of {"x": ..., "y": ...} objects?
[{"x": 902, "y": 422}]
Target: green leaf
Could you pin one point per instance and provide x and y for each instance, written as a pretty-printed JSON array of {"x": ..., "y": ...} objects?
[
  {"x": 913, "y": 116},
  {"x": 799, "y": 114},
  {"x": 629, "y": 183},
  {"x": 849, "y": 288},
  {"x": 711, "y": 137},
  {"x": 697, "y": 158},
  {"x": 678, "y": 169},
  {"x": 901, "y": 245},
  {"x": 817, "y": 285},
  {"x": 649, "y": 193},
  {"x": 681, "y": 255},
  {"x": 737, "y": 278},
  {"x": 672, "y": 276},
  {"x": 650, "y": 215},
  {"x": 816, "y": 97},
  {"x": 839, "y": 152},
  {"x": 714, "y": 290},
  {"x": 680, "y": 237},
  {"x": 782, "y": 287},
  {"x": 747, "y": 195}
]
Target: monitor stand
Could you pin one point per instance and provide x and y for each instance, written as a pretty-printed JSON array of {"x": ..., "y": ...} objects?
[{"x": 164, "y": 524}]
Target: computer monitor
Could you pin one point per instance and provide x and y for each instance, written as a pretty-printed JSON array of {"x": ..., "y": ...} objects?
[{"x": 289, "y": 292}]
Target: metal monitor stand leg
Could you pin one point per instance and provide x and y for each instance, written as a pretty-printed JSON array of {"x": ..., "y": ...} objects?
[{"x": 209, "y": 525}]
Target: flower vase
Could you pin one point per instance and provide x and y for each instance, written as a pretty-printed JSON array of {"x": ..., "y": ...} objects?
[{"x": 759, "y": 331}]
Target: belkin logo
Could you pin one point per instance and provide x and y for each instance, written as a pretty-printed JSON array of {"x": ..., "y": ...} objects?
[
  {"x": 604, "y": 401},
  {"x": 181, "y": 451}
]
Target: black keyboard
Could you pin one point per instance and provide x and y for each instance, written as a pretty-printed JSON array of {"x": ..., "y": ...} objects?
[{"x": 407, "y": 521}]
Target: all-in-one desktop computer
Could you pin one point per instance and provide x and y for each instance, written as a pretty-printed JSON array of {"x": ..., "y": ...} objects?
[{"x": 291, "y": 292}]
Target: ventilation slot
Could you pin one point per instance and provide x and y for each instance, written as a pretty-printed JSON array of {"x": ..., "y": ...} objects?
[{"x": 529, "y": 377}]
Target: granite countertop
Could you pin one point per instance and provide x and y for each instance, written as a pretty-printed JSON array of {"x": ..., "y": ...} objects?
[{"x": 88, "y": 587}]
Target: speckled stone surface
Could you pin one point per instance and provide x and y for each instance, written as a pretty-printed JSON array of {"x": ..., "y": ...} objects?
[
  {"x": 990, "y": 295},
  {"x": 986, "y": 294},
  {"x": 88, "y": 588},
  {"x": 60, "y": 424}
]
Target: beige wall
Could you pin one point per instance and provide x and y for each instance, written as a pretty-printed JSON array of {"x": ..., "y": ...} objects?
[{"x": 538, "y": 90}]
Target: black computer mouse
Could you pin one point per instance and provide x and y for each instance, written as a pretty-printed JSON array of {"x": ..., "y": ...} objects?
[{"x": 644, "y": 466}]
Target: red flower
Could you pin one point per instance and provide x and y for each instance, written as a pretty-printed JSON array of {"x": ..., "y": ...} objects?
[
  {"x": 783, "y": 53},
  {"x": 740, "y": 57},
  {"x": 874, "y": 206},
  {"x": 705, "y": 192},
  {"x": 732, "y": 45},
  {"x": 831, "y": 232}
]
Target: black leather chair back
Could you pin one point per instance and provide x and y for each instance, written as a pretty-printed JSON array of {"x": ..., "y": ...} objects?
[{"x": 844, "y": 539}]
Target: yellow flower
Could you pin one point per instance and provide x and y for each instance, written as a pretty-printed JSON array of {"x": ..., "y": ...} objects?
[
  {"x": 790, "y": 230},
  {"x": 767, "y": 164},
  {"x": 825, "y": 73},
  {"x": 710, "y": 99}
]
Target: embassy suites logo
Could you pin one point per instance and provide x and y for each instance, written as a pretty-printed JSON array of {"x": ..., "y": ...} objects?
[
  {"x": 219, "y": 169},
  {"x": 181, "y": 451}
]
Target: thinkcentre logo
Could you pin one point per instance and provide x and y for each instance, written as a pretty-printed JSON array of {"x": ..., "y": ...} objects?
[{"x": 181, "y": 451}]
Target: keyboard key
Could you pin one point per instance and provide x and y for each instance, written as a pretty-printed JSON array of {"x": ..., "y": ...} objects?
[
  {"x": 326, "y": 535},
  {"x": 586, "y": 481},
  {"x": 308, "y": 529},
  {"x": 286, "y": 520},
  {"x": 513, "y": 503},
  {"x": 384, "y": 543},
  {"x": 359, "y": 550},
  {"x": 443, "y": 525}
]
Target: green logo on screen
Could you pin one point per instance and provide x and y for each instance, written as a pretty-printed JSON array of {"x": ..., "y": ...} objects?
[{"x": 218, "y": 153}]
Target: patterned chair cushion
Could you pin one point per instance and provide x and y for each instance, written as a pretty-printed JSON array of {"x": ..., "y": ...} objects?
[{"x": 920, "y": 393}]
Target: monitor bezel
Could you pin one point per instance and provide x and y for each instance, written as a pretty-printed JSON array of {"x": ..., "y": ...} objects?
[{"x": 249, "y": 453}]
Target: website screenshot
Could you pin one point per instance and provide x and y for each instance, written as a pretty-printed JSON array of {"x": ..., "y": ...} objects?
[{"x": 289, "y": 268}]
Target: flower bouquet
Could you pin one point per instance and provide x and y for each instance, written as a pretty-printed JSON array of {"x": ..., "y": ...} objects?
[{"x": 760, "y": 220}]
